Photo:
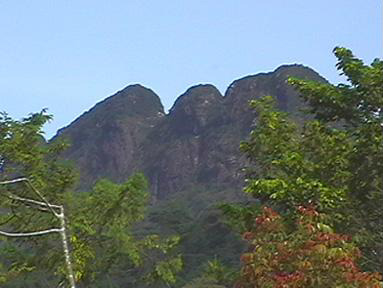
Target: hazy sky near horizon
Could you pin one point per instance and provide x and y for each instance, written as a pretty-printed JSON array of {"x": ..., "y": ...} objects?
[{"x": 68, "y": 55}]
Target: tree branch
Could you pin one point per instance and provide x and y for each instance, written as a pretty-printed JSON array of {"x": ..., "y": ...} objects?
[
  {"x": 28, "y": 234},
  {"x": 31, "y": 201},
  {"x": 43, "y": 206},
  {"x": 66, "y": 248},
  {"x": 26, "y": 180},
  {"x": 12, "y": 181},
  {"x": 6, "y": 221}
]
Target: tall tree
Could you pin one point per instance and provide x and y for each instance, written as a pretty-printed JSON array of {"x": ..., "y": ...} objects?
[
  {"x": 333, "y": 161},
  {"x": 57, "y": 211},
  {"x": 99, "y": 225},
  {"x": 32, "y": 178},
  {"x": 106, "y": 249}
]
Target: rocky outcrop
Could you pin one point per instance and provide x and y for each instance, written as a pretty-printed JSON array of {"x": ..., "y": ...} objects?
[
  {"x": 178, "y": 150},
  {"x": 105, "y": 140},
  {"x": 197, "y": 142}
]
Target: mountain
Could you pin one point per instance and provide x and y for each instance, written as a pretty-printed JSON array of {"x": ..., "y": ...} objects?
[
  {"x": 105, "y": 140},
  {"x": 195, "y": 144},
  {"x": 190, "y": 156}
]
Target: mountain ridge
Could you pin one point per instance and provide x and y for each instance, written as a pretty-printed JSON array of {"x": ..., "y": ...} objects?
[{"x": 196, "y": 142}]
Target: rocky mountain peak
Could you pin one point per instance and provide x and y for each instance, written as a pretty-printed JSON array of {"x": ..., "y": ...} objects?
[
  {"x": 105, "y": 140},
  {"x": 266, "y": 82},
  {"x": 196, "y": 109},
  {"x": 274, "y": 83},
  {"x": 297, "y": 71},
  {"x": 134, "y": 99},
  {"x": 199, "y": 96},
  {"x": 197, "y": 143}
]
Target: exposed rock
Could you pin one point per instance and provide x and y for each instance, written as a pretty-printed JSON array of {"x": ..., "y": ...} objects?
[
  {"x": 105, "y": 140},
  {"x": 196, "y": 143},
  {"x": 199, "y": 107}
]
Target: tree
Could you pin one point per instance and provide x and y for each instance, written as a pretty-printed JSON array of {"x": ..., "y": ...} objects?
[
  {"x": 215, "y": 275},
  {"x": 323, "y": 173},
  {"x": 99, "y": 224},
  {"x": 307, "y": 255},
  {"x": 43, "y": 205},
  {"x": 334, "y": 161},
  {"x": 29, "y": 166},
  {"x": 357, "y": 108},
  {"x": 107, "y": 245}
]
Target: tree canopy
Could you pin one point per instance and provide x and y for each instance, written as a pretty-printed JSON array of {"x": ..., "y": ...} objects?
[
  {"x": 104, "y": 248},
  {"x": 332, "y": 162}
]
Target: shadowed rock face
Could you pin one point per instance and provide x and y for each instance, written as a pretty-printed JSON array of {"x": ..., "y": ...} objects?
[
  {"x": 196, "y": 143},
  {"x": 178, "y": 149},
  {"x": 197, "y": 109},
  {"x": 105, "y": 140}
]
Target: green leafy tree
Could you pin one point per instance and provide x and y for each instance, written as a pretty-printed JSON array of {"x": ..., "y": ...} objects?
[
  {"x": 32, "y": 178},
  {"x": 216, "y": 275},
  {"x": 334, "y": 161},
  {"x": 106, "y": 245},
  {"x": 99, "y": 224}
]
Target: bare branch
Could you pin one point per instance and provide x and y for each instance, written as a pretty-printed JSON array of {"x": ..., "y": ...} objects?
[
  {"x": 26, "y": 180},
  {"x": 31, "y": 201},
  {"x": 28, "y": 234},
  {"x": 44, "y": 205},
  {"x": 66, "y": 248},
  {"x": 42, "y": 198},
  {"x": 13, "y": 181}
]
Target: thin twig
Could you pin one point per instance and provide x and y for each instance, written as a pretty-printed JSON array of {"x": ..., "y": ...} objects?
[{"x": 6, "y": 221}]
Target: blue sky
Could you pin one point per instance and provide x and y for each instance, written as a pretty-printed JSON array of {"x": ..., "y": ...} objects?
[{"x": 68, "y": 55}]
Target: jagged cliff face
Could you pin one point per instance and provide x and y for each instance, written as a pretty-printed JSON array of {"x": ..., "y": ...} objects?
[
  {"x": 197, "y": 143},
  {"x": 183, "y": 149},
  {"x": 105, "y": 140}
]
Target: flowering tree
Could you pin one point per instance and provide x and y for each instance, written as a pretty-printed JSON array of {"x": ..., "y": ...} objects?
[
  {"x": 307, "y": 254},
  {"x": 331, "y": 168},
  {"x": 334, "y": 160}
]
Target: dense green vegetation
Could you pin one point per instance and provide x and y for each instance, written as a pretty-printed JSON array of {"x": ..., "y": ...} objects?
[
  {"x": 312, "y": 217},
  {"x": 195, "y": 216},
  {"x": 105, "y": 252},
  {"x": 332, "y": 164}
]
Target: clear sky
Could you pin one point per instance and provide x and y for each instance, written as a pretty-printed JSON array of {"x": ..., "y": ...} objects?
[{"x": 67, "y": 55}]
